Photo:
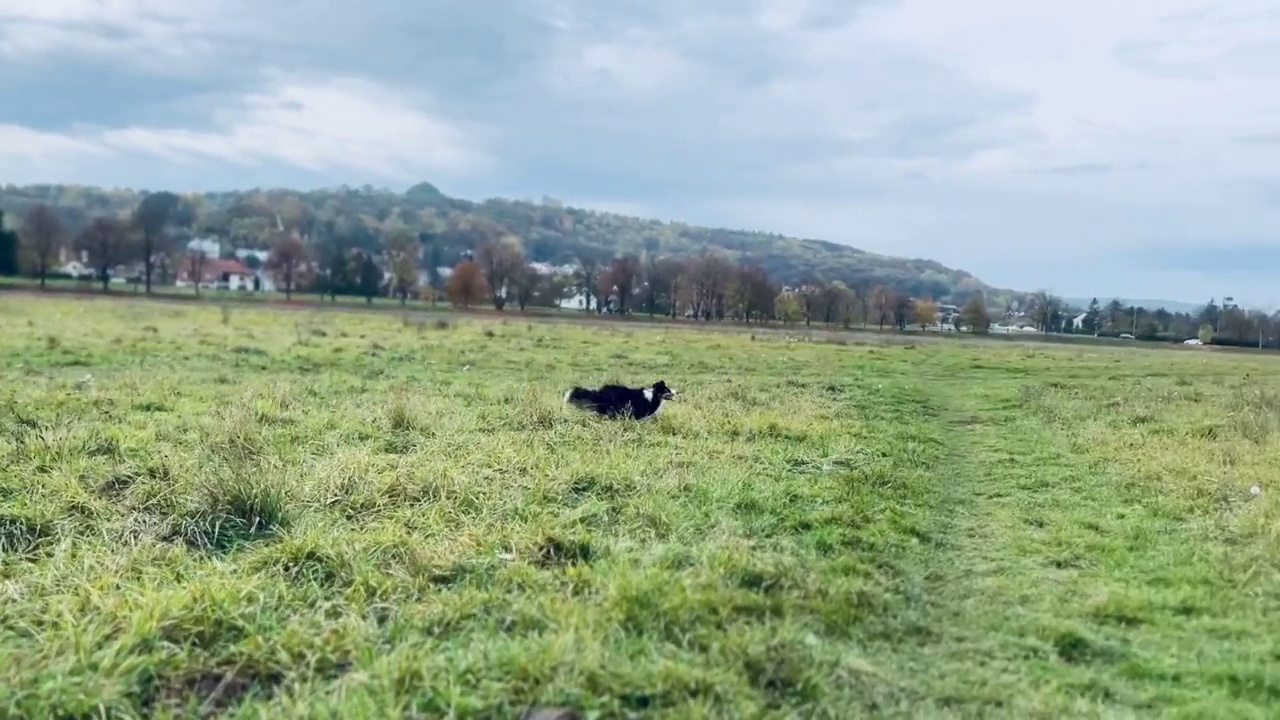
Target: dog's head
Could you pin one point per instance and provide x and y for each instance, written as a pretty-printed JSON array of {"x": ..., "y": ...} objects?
[{"x": 660, "y": 390}]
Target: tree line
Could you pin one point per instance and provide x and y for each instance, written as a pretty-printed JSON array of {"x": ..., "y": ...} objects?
[
  {"x": 707, "y": 287},
  {"x": 1215, "y": 323},
  {"x": 334, "y": 257},
  {"x": 549, "y": 231}
]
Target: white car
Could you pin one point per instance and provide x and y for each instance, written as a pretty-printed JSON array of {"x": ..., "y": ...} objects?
[{"x": 1193, "y": 341}]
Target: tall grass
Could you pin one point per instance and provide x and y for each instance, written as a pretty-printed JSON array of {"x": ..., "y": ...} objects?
[{"x": 355, "y": 517}]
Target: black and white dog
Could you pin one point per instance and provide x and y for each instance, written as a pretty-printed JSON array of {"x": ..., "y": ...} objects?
[{"x": 620, "y": 401}]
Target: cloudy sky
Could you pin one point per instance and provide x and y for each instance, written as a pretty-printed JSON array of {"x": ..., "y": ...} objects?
[{"x": 1087, "y": 147}]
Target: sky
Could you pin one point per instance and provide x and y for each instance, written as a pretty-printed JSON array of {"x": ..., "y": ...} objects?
[{"x": 1086, "y": 148}]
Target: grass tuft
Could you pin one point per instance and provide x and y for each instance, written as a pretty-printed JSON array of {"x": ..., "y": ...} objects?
[{"x": 232, "y": 510}]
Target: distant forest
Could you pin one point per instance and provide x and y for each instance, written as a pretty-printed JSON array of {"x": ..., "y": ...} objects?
[
  {"x": 422, "y": 243},
  {"x": 548, "y": 232}
]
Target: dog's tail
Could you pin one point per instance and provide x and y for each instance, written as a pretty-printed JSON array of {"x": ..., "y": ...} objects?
[{"x": 580, "y": 397}]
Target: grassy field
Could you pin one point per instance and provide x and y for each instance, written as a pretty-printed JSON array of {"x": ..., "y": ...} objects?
[
  {"x": 252, "y": 513},
  {"x": 312, "y": 303}
]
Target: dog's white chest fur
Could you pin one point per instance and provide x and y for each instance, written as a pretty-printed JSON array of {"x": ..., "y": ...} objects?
[{"x": 648, "y": 396}]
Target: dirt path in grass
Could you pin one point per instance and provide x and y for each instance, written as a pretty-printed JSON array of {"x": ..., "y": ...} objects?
[{"x": 1060, "y": 587}]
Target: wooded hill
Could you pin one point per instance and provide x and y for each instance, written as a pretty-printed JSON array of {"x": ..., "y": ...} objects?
[{"x": 548, "y": 231}]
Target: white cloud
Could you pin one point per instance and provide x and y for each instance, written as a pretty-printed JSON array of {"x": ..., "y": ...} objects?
[
  {"x": 338, "y": 124},
  {"x": 155, "y": 34},
  {"x": 334, "y": 125},
  {"x": 637, "y": 67},
  {"x": 22, "y": 144},
  {"x": 1034, "y": 145},
  {"x": 1072, "y": 58}
]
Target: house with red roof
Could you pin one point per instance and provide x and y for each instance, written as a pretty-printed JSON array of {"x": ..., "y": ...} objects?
[{"x": 217, "y": 273}]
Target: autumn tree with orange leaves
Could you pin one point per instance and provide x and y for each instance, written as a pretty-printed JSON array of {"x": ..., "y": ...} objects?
[{"x": 466, "y": 285}]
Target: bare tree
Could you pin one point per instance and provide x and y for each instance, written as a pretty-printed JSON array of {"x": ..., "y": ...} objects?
[
  {"x": 152, "y": 217},
  {"x": 334, "y": 259},
  {"x": 402, "y": 252},
  {"x": 621, "y": 277},
  {"x": 1045, "y": 308},
  {"x": 810, "y": 293},
  {"x": 42, "y": 234},
  {"x": 525, "y": 283},
  {"x": 587, "y": 277},
  {"x": 901, "y": 310},
  {"x": 706, "y": 284},
  {"x": 195, "y": 261},
  {"x": 882, "y": 305},
  {"x": 107, "y": 240},
  {"x": 659, "y": 286},
  {"x": 862, "y": 303},
  {"x": 288, "y": 262},
  {"x": 753, "y": 294},
  {"x": 499, "y": 262}
]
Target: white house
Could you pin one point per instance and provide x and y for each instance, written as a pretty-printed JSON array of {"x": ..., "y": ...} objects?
[
  {"x": 73, "y": 263},
  {"x": 577, "y": 301},
  {"x": 1002, "y": 328},
  {"x": 76, "y": 270}
]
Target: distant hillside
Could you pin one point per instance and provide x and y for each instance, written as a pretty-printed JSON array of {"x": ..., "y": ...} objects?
[{"x": 550, "y": 232}]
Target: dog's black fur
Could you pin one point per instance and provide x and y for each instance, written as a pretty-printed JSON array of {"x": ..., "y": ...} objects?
[{"x": 619, "y": 400}]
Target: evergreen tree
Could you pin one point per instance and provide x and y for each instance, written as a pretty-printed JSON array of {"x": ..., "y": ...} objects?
[
  {"x": 9, "y": 264},
  {"x": 370, "y": 278},
  {"x": 1091, "y": 318}
]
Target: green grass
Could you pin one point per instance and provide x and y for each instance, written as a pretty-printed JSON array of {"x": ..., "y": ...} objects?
[
  {"x": 234, "y": 299},
  {"x": 255, "y": 513}
]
